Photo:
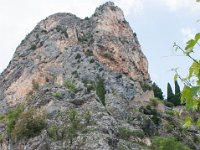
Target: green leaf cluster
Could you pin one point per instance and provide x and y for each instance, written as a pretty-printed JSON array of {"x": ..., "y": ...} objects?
[{"x": 191, "y": 92}]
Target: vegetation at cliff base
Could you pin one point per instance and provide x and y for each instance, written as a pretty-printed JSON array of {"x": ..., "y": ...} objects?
[{"x": 167, "y": 143}]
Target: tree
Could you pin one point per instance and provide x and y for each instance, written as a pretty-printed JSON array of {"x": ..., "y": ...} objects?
[
  {"x": 157, "y": 91},
  {"x": 170, "y": 94},
  {"x": 177, "y": 96}
]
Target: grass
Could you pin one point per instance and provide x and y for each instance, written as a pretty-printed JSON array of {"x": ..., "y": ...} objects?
[
  {"x": 70, "y": 84},
  {"x": 57, "y": 94}
]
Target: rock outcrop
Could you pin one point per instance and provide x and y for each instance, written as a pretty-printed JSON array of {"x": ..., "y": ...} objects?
[{"x": 81, "y": 76}]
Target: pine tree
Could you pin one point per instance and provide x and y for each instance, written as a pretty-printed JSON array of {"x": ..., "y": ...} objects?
[
  {"x": 157, "y": 91},
  {"x": 177, "y": 94},
  {"x": 170, "y": 94}
]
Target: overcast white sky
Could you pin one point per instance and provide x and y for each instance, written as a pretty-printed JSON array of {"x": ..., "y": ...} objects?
[{"x": 158, "y": 23}]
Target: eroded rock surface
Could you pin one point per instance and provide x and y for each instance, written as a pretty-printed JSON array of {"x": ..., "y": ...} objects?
[{"x": 81, "y": 73}]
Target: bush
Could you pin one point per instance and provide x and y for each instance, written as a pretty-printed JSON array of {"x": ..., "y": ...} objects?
[
  {"x": 56, "y": 132},
  {"x": 156, "y": 119},
  {"x": 57, "y": 94},
  {"x": 167, "y": 143},
  {"x": 100, "y": 90},
  {"x": 126, "y": 133},
  {"x": 28, "y": 125},
  {"x": 78, "y": 56},
  {"x": 70, "y": 84},
  {"x": 33, "y": 47},
  {"x": 87, "y": 117},
  {"x": 11, "y": 118},
  {"x": 168, "y": 104},
  {"x": 89, "y": 53},
  {"x": 155, "y": 101},
  {"x": 145, "y": 86},
  {"x": 92, "y": 61},
  {"x": 1, "y": 138},
  {"x": 170, "y": 112},
  {"x": 74, "y": 125},
  {"x": 35, "y": 85}
]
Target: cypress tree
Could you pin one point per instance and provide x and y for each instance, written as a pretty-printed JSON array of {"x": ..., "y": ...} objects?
[
  {"x": 170, "y": 94},
  {"x": 157, "y": 91},
  {"x": 177, "y": 94}
]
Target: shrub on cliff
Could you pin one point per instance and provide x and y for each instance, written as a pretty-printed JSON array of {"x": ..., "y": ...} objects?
[{"x": 29, "y": 124}]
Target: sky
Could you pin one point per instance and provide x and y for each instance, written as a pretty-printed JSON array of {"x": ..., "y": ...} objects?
[{"x": 158, "y": 24}]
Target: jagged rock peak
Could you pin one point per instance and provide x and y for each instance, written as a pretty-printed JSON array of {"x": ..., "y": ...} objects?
[{"x": 107, "y": 9}]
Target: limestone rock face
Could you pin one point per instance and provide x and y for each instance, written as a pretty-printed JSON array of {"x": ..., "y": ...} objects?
[
  {"x": 42, "y": 55},
  {"x": 86, "y": 77}
]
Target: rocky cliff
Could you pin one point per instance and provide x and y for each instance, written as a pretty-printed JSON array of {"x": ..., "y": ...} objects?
[{"x": 79, "y": 84}]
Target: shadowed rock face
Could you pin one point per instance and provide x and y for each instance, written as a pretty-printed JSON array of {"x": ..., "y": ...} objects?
[{"x": 93, "y": 66}]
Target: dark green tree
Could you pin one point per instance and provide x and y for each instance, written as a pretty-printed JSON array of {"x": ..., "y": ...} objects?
[
  {"x": 177, "y": 96},
  {"x": 157, "y": 91},
  {"x": 170, "y": 94}
]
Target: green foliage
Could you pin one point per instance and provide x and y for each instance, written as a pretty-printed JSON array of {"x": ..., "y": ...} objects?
[
  {"x": 1, "y": 138},
  {"x": 156, "y": 119},
  {"x": 92, "y": 61},
  {"x": 167, "y": 143},
  {"x": 155, "y": 101},
  {"x": 145, "y": 86},
  {"x": 177, "y": 95},
  {"x": 52, "y": 132},
  {"x": 56, "y": 132},
  {"x": 33, "y": 47},
  {"x": 11, "y": 118},
  {"x": 168, "y": 104},
  {"x": 29, "y": 124},
  {"x": 191, "y": 92},
  {"x": 171, "y": 97},
  {"x": 2, "y": 117},
  {"x": 188, "y": 122},
  {"x": 170, "y": 112},
  {"x": 170, "y": 94},
  {"x": 71, "y": 126},
  {"x": 70, "y": 84},
  {"x": 57, "y": 94},
  {"x": 126, "y": 133},
  {"x": 78, "y": 56},
  {"x": 100, "y": 90},
  {"x": 157, "y": 91},
  {"x": 89, "y": 53},
  {"x": 35, "y": 85},
  {"x": 74, "y": 125},
  {"x": 87, "y": 117}
]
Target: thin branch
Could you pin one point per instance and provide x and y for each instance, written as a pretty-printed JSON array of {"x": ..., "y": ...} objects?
[{"x": 187, "y": 54}]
